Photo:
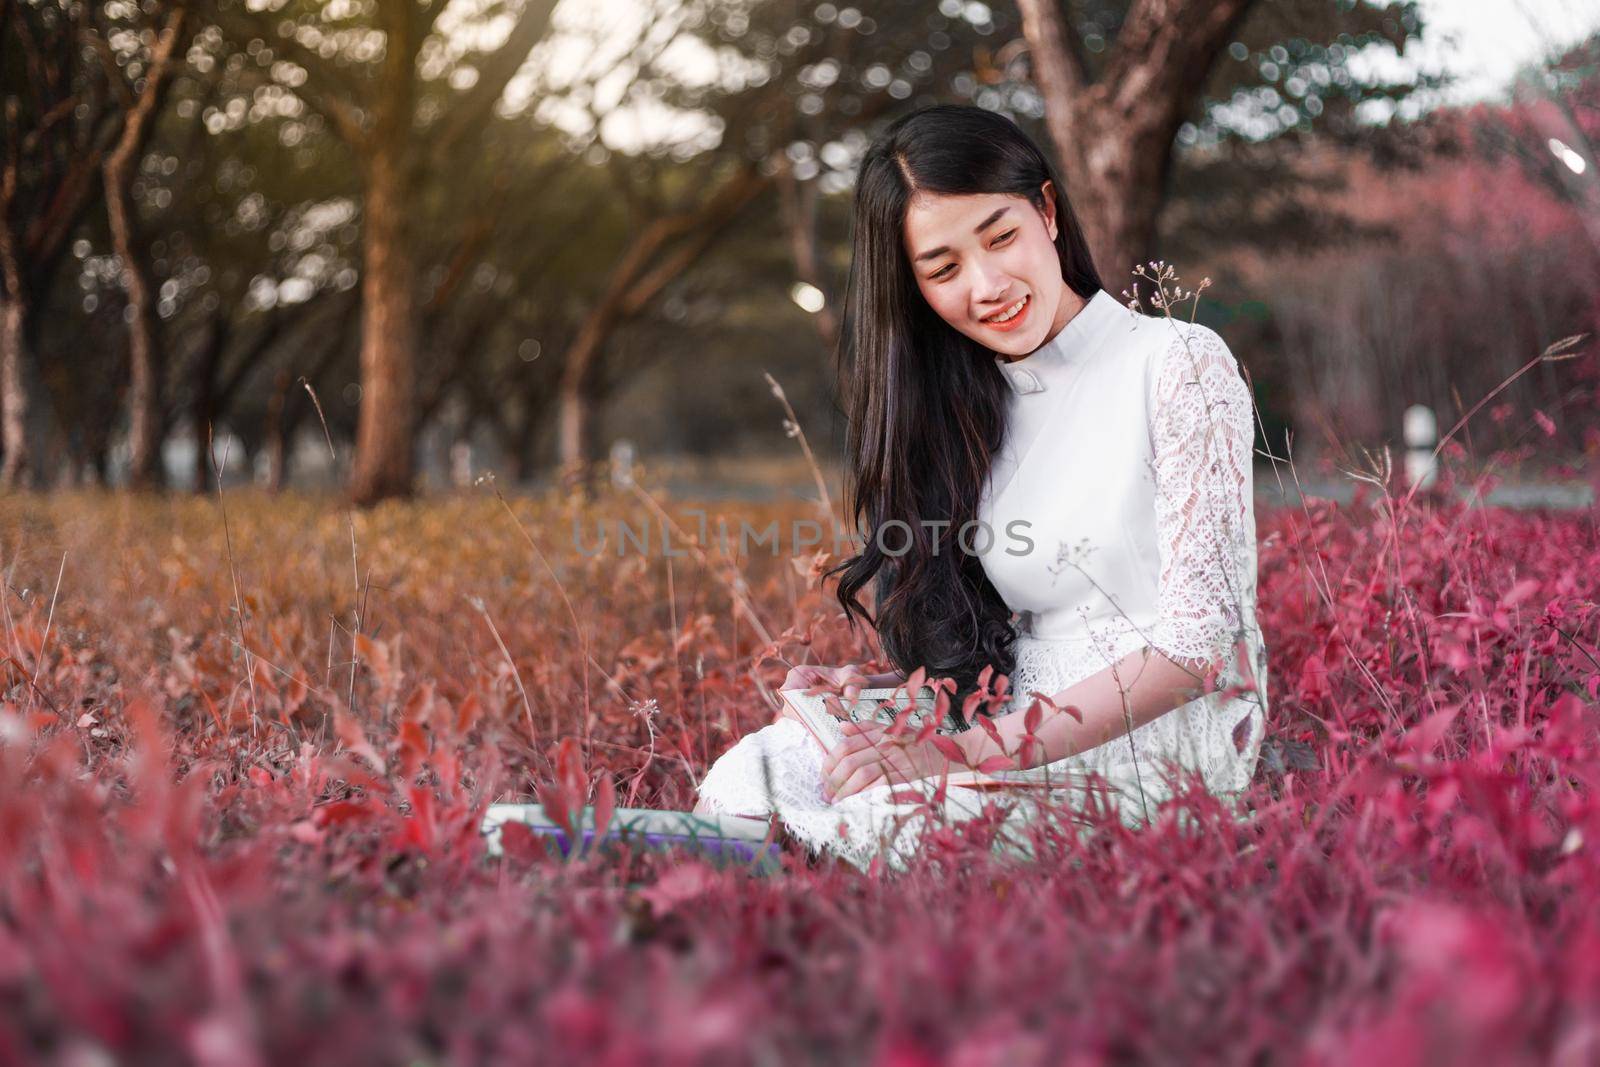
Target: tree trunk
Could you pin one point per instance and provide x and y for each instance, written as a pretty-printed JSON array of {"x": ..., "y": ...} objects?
[
  {"x": 1117, "y": 185},
  {"x": 203, "y": 409},
  {"x": 145, "y": 429},
  {"x": 144, "y": 359},
  {"x": 276, "y": 433},
  {"x": 1114, "y": 134},
  {"x": 575, "y": 412},
  {"x": 679, "y": 240},
  {"x": 383, "y": 461},
  {"x": 799, "y": 202},
  {"x": 513, "y": 459},
  {"x": 15, "y": 471}
]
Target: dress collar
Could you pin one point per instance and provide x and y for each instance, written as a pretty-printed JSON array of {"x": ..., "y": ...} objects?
[{"x": 1035, "y": 372}]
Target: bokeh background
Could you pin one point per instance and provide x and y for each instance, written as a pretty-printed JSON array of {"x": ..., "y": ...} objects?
[
  {"x": 248, "y": 732},
  {"x": 543, "y": 239}
]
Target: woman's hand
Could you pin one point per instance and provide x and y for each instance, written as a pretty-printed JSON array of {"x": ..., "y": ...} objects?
[{"x": 868, "y": 756}]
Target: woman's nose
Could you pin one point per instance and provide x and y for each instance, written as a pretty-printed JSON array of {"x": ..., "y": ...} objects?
[{"x": 988, "y": 286}]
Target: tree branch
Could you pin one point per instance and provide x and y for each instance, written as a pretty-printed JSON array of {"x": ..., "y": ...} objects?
[
  {"x": 108, "y": 63},
  {"x": 326, "y": 90},
  {"x": 1056, "y": 67},
  {"x": 1166, "y": 49},
  {"x": 141, "y": 110},
  {"x": 49, "y": 227},
  {"x": 495, "y": 71},
  {"x": 706, "y": 226}
]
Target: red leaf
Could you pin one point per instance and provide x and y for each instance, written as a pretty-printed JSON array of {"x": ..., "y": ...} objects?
[
  {"x": 342, "y": 811},
  {"x": 682, "y": 883},
  {"x": 294, "y": 696},
  {"x": 420, "y": 828},
  {"x": 413, "y": 748},
  {"x": 570, "y": 773},
  {"x": 1519, "y": 592},
  {"x": 420, "y": 705},
  {"x": 950, "y": 750},
  {"x": 902, "y": 720},
  {"x": 605, "y": 802},
  {"x": 354, "y": 738},
  {"x": 1426, "y": 735},
  {"x": 1314, "y": 678},
  {"x": 554, "y": 802},
  {"x": 970, "y": 702},
  {"x": 997, "y": 763},
  {"x": 991, "y": 729},
  {"x": 520, "y": 842},
  {"x": 467, "y": 712}
]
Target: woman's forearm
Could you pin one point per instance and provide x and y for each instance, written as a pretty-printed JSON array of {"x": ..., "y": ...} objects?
[{"x": 1141, "y": 686}]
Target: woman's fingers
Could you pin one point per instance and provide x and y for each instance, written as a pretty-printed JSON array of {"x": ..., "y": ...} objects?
[
  {"x": 840, "y": 752},
  {"x": 857, "y": 738},
  {"x": 862, "y": 778},
  {"x": 846, "y": 764},
  {"x": 862, "y": 768}
]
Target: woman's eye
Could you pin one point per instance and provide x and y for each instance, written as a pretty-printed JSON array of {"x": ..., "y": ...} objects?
[{"x": 948, "y": 267}]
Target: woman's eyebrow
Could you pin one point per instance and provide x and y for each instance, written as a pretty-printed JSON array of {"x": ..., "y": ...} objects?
[{"x": 934, "y": 253}]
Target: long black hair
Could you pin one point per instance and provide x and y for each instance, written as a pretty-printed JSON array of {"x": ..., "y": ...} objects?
[{"x": 925, "y": 404}]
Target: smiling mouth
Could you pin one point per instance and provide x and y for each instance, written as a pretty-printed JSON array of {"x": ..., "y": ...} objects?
[{"x": 1006, "y": 314}]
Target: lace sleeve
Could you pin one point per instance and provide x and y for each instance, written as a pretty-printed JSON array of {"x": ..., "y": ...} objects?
[{"x": 1202, "y": 432}]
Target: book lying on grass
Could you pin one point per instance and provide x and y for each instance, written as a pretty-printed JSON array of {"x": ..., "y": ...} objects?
[
  {"x": 725, "y": 836},
  {"x": 822, "y": 713}
]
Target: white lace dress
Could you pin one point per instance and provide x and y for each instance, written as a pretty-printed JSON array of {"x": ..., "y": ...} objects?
[{"x": 1120, "y": 507}]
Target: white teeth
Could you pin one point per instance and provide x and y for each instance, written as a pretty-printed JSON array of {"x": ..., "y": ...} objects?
[{"x": 1009, "y": 313}]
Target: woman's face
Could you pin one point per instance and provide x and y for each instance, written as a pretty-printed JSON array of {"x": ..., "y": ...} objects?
[{"x": 978, "y": 259}]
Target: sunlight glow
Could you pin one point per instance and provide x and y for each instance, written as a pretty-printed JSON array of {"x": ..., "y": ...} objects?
[
  {"x": 1574, "y": 162},
  {"x": 807, "y": 296}
]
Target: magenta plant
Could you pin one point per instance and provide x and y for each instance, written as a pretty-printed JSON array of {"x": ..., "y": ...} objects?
[{"x": 1416, "y": 884}]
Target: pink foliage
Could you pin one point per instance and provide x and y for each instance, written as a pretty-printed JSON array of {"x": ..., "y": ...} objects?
[{"x": 1417, "y": 883}]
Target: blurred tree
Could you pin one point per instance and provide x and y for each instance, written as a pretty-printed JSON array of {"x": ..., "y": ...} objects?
[
  {"x": 242, "y": 214},
  {"x": 1551, "y": 128},
  {"x": 59, "y": 120},
  {"x": 1121, "y": 79},
  {"x": 798, "y": 85},
  {"x": 149, "y": 57},
  {"x": 259, "y": 248},
  {"x": 360, "y": 66},
  {"x": 552, "y": 267}
]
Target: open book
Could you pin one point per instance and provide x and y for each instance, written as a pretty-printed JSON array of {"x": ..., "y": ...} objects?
[{"x": 882, "y": 706}]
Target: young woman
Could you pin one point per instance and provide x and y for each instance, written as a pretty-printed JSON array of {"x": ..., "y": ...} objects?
[{"x": 1072, "y": 484}]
